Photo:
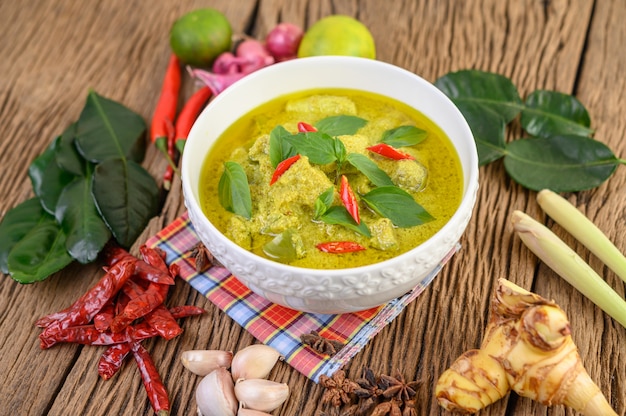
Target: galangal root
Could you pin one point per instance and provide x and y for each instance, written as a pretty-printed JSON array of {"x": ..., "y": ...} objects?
[{"x": 528, "y": 349}]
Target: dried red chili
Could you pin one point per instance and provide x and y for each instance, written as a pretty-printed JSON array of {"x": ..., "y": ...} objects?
[
  {"x": 138, "y": 307},
  {"x": 337, "y": 247},
  {"x": 389, "y": 152},
  {"x": 151, "y": 380},
  {"x": 349, "y": 199},
  {"x": 305, "y": 127},
  {"x": 150, "y": 272},
  {"x": 102, "y": 320},
  {"x": 282, "y": 167},
  {"x": 112, "y": 359}
]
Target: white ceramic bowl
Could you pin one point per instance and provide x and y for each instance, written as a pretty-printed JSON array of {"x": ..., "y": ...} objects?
[{"x": 329, "y": 291}]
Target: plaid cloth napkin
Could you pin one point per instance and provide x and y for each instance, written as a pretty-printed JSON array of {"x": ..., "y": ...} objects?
[{"x": 276, "y": 325}]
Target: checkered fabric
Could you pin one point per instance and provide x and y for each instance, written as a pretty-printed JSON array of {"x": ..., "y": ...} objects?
[{"x": 276, "y": 325}]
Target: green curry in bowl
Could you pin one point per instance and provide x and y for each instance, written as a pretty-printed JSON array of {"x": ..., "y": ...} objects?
[{"x": 331, "y": 179}]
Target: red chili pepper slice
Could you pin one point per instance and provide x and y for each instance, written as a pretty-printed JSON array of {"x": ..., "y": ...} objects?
[
  {"x": 390, "y": 152},
  {"x": 305, "y": 127},
  {"x": 282, "y": 167},
  {"x": 336, "y": 247},
  {"x": 349, "y": 200}
]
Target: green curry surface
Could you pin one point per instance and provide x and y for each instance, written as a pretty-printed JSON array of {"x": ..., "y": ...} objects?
[{"x": 434, "y": 178}]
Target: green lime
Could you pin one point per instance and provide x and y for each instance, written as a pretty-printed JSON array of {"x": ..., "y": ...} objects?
[
  {"x": 198, "y": 37},
  {"x": 337, "y": 35}
]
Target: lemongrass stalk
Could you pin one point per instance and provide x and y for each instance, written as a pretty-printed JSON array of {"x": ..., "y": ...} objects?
[
  {"x": 585, "y": 231},
  {"x": 566, "y": 263}
]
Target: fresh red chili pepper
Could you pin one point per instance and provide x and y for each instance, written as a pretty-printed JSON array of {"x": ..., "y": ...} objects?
[
  {"x": 336, "y": 247},
  {"x": 305, "y": 127},
  {"x": 162, "y": 125},
  {"x": 151, "y": 380},
  {"x": 349, "y": 200},
  {"x": 282, "y": 167},
  {"x": 189, "y": 114},
  {"x": 112, "y": 359},
  {"x": 390, "y": 152}
]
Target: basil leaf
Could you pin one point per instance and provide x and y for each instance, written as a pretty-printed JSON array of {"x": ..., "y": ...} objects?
[
  {"x": 551, "y": 113},
  {"x": 279, "y": 148},
  {"x": 317, "y": 146},
  {"x": 340, "y": 125},
  {"x": 324, "y": 201},
  {"x": 47, "y": 179},
  {"x": 485, "y": 89},
  {"x": 340, "y": 151},
  {"x": 488, "y": 129},
  {"x": 16, "y": 223},
  {"x": 86, "y": 233},
  {"x": 370, "y": 169},
  {"x": 40, "y": 253},
  {"x": 397, "y": 205},
  {"x": 404, "y": 136},
  {"x": 560, "y": 163},
  {"x": 106, "y": 129},
  {"x": 126, "y": 197},
  {"x": 66, "y": 154},
  {"x": 339, "y": 215},
  {"x": 234, "y": 191}
]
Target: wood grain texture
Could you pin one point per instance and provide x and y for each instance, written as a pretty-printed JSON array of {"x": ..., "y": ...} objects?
[{"x": 54, "y": 52}]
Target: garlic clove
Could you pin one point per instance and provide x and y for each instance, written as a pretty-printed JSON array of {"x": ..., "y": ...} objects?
[
  {"x": 254, "y": 361},
  {"x": 215, "y": 394},
  {"x": 250, "y": 412},
  {"x": 202, "y": 362},
  {"x": 261, "y": 394}
]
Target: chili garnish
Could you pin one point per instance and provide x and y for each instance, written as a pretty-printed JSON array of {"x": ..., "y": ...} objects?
[
  {"x": 282, "y": 167},
  {"x": 305, "y": 127},
  {"x": 390, "y": 152},
  {"x": 162, "y": 126},
  {"x": 349, "y": 199},
  {"x": 337, "y": 247}
]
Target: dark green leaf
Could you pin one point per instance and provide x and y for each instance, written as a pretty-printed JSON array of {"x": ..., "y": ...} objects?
[
  {"x": 234, "y": 190},
  {"x": 48, "y": 180},
  {"x": 126, "y": 196},
  {"x": 551, "y": 113},
  {"x": 340, "y": 125},
  {"x": 67, "y": 155},
  {"x": 282, "y": 247},
  {"x": 279, "y": 148},
  {"x": 40, "y": 253},
  {"x": 560, "y": 163},
  {"x": 397, "y": 205},
  {"x": 484, "y": 89},
  {"x": 324, "y": 201},
  {"x": 488, "y": 129},
  {"x": 106, "y": 129},
  {"x": 404, "y": 136},
  {"x": 17, "y": 222},
  {"x": 340, "y": 151},
  {"x": 80, "y": 220},
  {"x": 318, "y": 147},
  {"x": 339, "y": 215},
  {"x": 370, "y": 169}
]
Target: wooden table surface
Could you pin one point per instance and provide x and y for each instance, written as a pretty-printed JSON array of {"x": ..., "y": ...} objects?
[{"x": 52, "y": 52}]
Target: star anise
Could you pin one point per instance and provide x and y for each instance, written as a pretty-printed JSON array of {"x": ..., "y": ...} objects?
[
  {"x": 370, "y": 389},
  {"x": 409, "y": 408},
  {"x": 397, "y": 387},
  {"x": 390, "y": 408},
  {"x": 203, "y": 258},
  {"x": 339, "y": 389},
  {"x": 321, "y": 344}
]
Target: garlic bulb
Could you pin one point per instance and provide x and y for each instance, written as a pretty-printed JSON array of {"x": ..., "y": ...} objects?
[
  {"x": 254, "y": 361},
  {"x": 215, "y": 395},
  {"x": 260, "y": 394},
  {"x": 202, "y": 362}
]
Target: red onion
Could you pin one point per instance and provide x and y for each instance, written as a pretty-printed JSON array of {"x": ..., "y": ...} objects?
[
  {"x": 254, "y": 56},
  {"x": 283, "y": 41},
  {"x": 216, "y": 82},
  {"x": 226, "y": 63}
]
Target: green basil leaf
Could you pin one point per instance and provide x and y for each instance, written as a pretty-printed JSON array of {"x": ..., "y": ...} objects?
[
  {"x": 279, "y": 148},
  {"x": 339, "y": 215},
  {"x": 317, "y": 146},
  {"x": 48, "y": 180},
  {"x": 560, "y": 163},
  {"x": 552, "y": 113},
  {"x": 126, "y": 196},
  {"x": 340, "y": 125},
  {"x": 324, "y": 201},
  {"x": 404, "y": 136},
  {"x": 66, "y": 154},
  {"x": 16, "y": 223},
  {"x": 488, "y": 129},
  {"x": 370, "y": 169},
  {"x": 86, "y": 233},
  {"x": 234, "y": 190},
  {"x": 106, "y": 129},
  {"x": 484, "y": 89},
  {"x": 397, "y": 205},
  {"x": 340, "y": 151},
  {"x": 40, "y": 253}
]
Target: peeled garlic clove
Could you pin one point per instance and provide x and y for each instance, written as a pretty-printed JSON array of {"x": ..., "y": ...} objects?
[
  {"x": 215, "y": 395},
  {"x": 250, "y": 412},
  {"x": 254, "y": 361},
  {"x": 260, "y": 394},
  {"x": 202, "y": 362}
]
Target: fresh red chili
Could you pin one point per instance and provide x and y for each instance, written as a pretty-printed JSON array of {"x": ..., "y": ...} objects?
[
  {"x": 189, "y": 114},
  {"x": 282, "y": 167},
  {"x": 336, "y": 247},
  {"x": 151, "y": 380},
  {"x": 390, "y": 152},
  {"x": 305, "y": 127},
  {"x": 162, "y": 125},
  {"x": 349, "y": 199}
]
